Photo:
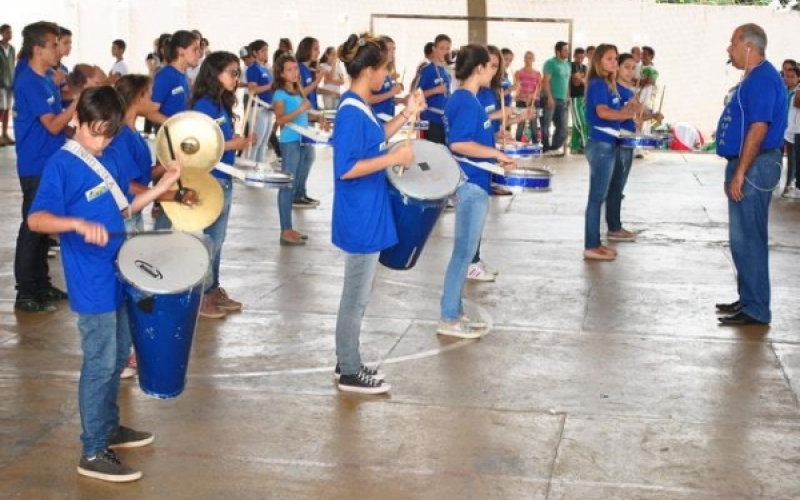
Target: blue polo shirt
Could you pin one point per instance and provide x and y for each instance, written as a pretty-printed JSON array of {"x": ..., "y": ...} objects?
[
  {"x": 34, "y": 97},
  {"x": 133, "y": 148},
  {"x": 69, "y": 188},
  {"x": 259, "y": 75},
  {"x": 598, "y": 94},
  {"x": 362, "y": 213},
  {"x": 432, "y": 76},
  {"x": 171, "y": 91},
  {"x": 387, "y": 105},
  {"x": 465, "y": 120},
  {"x": 626, "y": 94},
  {"x": 488, "y": 99},
  {"x": 218, "y": 113},
  {"x": 306, "y": 79},
  {"x": 760, "y": 97}
]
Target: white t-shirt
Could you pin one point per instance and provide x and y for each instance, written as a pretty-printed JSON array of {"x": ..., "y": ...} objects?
[
  {"x": 793, "y": 126},
  {"x": 637, "y": 70},
  {"x": 337, "y": 74},
  {"x": 120, "y": 67}
]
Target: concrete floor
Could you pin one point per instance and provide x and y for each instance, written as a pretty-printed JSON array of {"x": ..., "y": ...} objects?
[{"x": 597, "y": 381}]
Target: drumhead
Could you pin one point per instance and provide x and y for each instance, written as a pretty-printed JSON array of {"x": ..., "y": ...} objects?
[
  {"x": 434, "y": 175},
  {"x": 163, "y": 263}
]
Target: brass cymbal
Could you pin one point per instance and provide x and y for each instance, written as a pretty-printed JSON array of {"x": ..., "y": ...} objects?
[
  {"x": 196, "y": 139},
  {"x": 196, "y": 217}
]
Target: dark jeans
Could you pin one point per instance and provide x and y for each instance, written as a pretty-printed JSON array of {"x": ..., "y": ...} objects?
[
  {"x": 793, "y": 161},
  {"x": 30, "y": 260},
  {"x": 532, "y": 123},
  {"x": 435, "y": 133},
  {"x": 557, "y": 115}
]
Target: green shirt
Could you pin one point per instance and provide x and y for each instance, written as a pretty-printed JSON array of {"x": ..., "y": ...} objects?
[
  {"x": 649, "y": 72},
  {"x": 559, "y": 72}
]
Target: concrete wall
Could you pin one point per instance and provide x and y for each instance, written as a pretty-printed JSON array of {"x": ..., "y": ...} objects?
[{"x": 690, "y": 41}]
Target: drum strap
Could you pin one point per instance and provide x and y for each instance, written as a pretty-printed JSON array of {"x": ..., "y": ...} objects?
[
  {"x": 262, "y": 103},
  {"x": 483, "y": 165},
  {"x": 363, "y": 107},
  {"x": 98, "y": 168}
]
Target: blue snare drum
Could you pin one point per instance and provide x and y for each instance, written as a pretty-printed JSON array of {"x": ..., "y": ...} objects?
[
  {"x": 525, "y": 180},
  {"x": 520, "y": 150},
  {"x": 640, "y": 141},
  {"x": 418, "y": 196},
  {"x": 163, "y": 277}
]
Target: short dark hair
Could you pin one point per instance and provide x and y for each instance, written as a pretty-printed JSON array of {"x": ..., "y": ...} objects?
[
  {"x": 649, "y": 50},
  {"x": 4, "y": 27},
  {"x": 590, "y": 48},
  {"x": 470, "y": 57},
  {"x": 428, "y": 49},
  {"x": 441, "y": 38},
  {"x": 35, "y": 35},
  {"x": 102, "y": 109},
  {"x": 506, "y": 51},
  {"x": 62, "y": 31},
  {"x": 794, "y": 68},
  {"x": 579, "y": 50},
  {"x": 560, "y": 46},
  {"x": 120, "y": 44}
]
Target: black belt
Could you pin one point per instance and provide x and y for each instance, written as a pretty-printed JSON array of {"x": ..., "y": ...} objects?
[{"x": 764, "y": 151}]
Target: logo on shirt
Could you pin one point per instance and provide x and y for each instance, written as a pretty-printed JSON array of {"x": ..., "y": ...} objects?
[
  {"x": 438, "y": 81},
  {"x": 51, "y": 100},
  {"x": 490, "y": 108},
  {"x": 383, "y": 146},
  {"x": 177, "y": 90},
  {"x": 220, "y": 120},
  {"x": 96, "y": 191},
  {"x": 308, "y": 80},
  {"x": 616, "y": 100},
  {"x": 487, "y": 124}
]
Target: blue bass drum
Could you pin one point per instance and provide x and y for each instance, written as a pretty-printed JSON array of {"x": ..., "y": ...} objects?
[
  {"x": 163, "y": 276},
  {"x": 418, "y": 195}
]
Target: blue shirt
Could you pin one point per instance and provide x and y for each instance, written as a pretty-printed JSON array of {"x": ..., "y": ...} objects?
[
  {"x": 34, "y": 97},
  {"x": 306, "y": 79},
  {"x": 69, "y": 188},
  {"x": 465, "y": 120},
  {"x": 290, "y": 103},
  {"x": 171, "y": 91},
  {"x": 22, "y": 64},
  {"x": 488, "y": 99},
  {"x": 259, "y": 75},
  {"x": 432, "y": 76},
  {"x": 598, "y": 94},
  {"x": 506, "y": 87},
  {"x": 218, "y": 113},
  {"x": 362, "y": 213},
  {"x": 626, "y": 94},
  {"x": 387, "y": 105},
  {"x": 760, "y": 97},
  {"x": 138, "y": 164}
]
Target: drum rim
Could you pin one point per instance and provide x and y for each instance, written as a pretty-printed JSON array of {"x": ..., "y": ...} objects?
[
  {"x": 390, "y": 176},
  {"x": 181, "y": 234}
]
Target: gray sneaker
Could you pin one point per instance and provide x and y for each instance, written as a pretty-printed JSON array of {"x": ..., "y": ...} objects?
[
  {"x": 125, "y": 437},
  {"x": 107, "y": 467}
]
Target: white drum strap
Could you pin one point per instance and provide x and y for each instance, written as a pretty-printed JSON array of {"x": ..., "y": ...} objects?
[
  {"x": 363, "y": 107},
  {"x": 261, "y": 103},
  {"x": 436, "y": 110},
  {"x": 98, "y": 168},
  {"x": 483, "y": 165}
]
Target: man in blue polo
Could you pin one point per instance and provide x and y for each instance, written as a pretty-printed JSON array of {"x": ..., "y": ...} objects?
[{"x": 749, "y": 137}]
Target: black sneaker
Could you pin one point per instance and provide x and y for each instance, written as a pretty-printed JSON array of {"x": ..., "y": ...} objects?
[
  {"x": 372, "y": 372},
  {"x": 303, "y": 204},
  {"x": 31, "y": 303},
  {"x": 311, "y": 200},
  {"x": 125, "y": 437},
  {"x": 50, "y": 294},
  {"x": 363, "y": 384},
  {"x": 107, "y": 467}
]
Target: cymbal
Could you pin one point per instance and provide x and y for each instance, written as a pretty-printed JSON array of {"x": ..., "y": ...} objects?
[
  {"x": 196, "y": 217},
  {"x": 196, "y": 139}
]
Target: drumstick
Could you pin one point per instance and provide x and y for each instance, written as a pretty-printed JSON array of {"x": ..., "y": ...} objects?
[
  {"x": 247, "y": 109},
  {"x": 502, "y": 117},
  {"x": 661, "y": 102},
  {"x": 172, "y": 153}
]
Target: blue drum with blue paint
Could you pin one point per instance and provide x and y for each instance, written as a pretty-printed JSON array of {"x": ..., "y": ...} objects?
[
  {"x": 525, "y": 180},
  {"x": 418, "y": 194},
  {"x": 164, "y": 275},
  {"x": 522, "y": 150}
]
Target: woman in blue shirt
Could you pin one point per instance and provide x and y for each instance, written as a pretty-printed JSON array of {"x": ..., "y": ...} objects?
[
  {"x": 383, "y": 99},
  {"x": 259, "y": 83},
  {"x": 363, "y": 224},
  {"x": 215, "y": 95},
  {"x": 603, "y": 110},
  {"x": 470, "y": 137}
]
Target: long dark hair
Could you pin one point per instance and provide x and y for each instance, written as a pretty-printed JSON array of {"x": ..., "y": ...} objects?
[
  {"x": 132, "y": 87},
  {"x": 280, "y": 82},
  {"x": 304, "y": 48},
  {"x": 497, "y": 78},
  {"x": 361, "y": 52},
  {"x": 207, "y": 82},
  {"x": 180, "y": 39},
  {"x": 470, "y": 57}
]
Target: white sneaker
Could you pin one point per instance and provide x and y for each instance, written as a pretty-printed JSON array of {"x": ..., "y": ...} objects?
[
  {"x": 476, "y": 272},
  {"x": 488, "y": 269},
  {"x": 459, "y": 330},
  {"x": 791, "y": 192}
]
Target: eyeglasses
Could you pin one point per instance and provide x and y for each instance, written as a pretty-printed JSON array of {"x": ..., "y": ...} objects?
[{"x": 236, "y": 73}]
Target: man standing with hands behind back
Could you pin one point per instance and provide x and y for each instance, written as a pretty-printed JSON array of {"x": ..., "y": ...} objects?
[
  {"x": 555, "y": 83},
  {"x": 750, "y": 137}
]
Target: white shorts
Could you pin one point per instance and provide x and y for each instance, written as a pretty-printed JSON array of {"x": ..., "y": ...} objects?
[{"x": 6, "y": 96}]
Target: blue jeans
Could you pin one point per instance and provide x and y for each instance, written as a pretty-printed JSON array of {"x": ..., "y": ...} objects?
[
  {"x": 748, "y": 232},
  {"x": 601, "y": 156},
  {"x": 297, "y": 159},
  {"x": 265, "y": 120},
  {"x": 106, "y": 344},
  {"x": 161, "y": 222},
  {"x": 622, "y": 167},
  {"x": 359, "y": 278},
  {"x": 217, "y": 231},
  {"x": 557, "y": 115},
  {"x": 472, "y": 207}
]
